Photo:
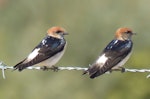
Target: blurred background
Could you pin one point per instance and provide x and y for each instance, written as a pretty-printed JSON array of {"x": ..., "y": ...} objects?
[{"x": 91, "y": 25}]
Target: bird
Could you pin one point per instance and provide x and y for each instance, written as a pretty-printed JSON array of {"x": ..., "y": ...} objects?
[
  {"x": 114, "y": 55},
  {"x": 48, "y": 52}
]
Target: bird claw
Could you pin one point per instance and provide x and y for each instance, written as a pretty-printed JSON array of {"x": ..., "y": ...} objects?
[
  {"x": 123, "y": 69},
  {"x": 110, "y": 71},
  {"x": 45, "y": 68},
  {"x": 54, "y": 68},
  {"x": 85, "y": 72}
]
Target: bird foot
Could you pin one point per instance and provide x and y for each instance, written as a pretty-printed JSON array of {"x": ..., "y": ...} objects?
[
  {"x": 45, "y": 68},
  {"x": 123, "y": 69},
  {"x": 110, "y": 71},
  {"x": 54, "y": 68},
  {"x": 85, "y": 72}
]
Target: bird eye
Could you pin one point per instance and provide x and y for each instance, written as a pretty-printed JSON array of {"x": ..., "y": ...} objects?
[
  {"x": 58, "y": 32},
  {"x": 128, "y": 32}
]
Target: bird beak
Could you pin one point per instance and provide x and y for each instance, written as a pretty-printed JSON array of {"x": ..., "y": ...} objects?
[
  {"x": 134, "y": 33},
  {"x": 65, "y": 33}
]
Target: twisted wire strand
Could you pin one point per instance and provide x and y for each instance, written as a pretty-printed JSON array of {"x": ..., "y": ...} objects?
[{"x": 4, "y": 67}]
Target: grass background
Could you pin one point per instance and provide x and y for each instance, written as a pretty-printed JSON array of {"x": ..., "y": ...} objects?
[{"x": 91, "y": 25}]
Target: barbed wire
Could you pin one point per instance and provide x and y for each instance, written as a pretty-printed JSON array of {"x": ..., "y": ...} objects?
[{"x": 4, "y": 67}]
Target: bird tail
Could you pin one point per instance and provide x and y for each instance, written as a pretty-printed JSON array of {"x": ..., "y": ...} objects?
[
  {"x": 20, "y": 66},
  {"x": 95, "y": 70}
]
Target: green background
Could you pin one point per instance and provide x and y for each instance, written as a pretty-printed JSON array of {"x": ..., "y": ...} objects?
[{"x": 91, "y": 25}]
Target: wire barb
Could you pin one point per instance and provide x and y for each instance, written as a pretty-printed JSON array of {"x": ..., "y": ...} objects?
[{"x": 4, "y": 67}]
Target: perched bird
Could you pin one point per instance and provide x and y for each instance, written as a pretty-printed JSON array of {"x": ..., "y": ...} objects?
[
  {"x": 48, "y": 52},
  {"x": 115, "y": 55}
]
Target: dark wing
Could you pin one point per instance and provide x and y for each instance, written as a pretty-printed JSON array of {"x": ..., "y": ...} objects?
[
  {"x": 48, "y": 48},
  {"x": 116, "y": 51}
]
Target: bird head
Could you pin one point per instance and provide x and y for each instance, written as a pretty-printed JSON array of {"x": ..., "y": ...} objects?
[
  {"x": 56, "y": 32},
  {"x": 124, "y": 34}
]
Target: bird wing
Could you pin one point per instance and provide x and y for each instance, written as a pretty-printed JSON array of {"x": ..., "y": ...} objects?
[
  {"x": 47, "y": 48},
  {"x": 115, "y": 51}
]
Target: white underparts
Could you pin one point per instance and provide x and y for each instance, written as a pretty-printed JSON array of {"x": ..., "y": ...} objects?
[
  {"x": 51, "y": 61},
  {"x": 120, "y": 64}
]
